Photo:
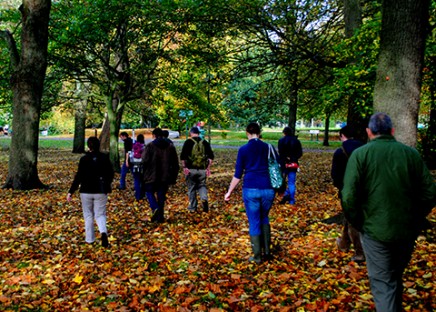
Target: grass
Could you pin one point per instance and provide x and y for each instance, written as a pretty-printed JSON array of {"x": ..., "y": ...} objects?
[{"x": 218, "y": 137}]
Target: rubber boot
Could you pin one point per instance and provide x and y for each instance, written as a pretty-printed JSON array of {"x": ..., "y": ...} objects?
[
  {"x": 205, "y": 206},
  {"x": 266, "y": 237},
  {"x": 255, "y": 245}
]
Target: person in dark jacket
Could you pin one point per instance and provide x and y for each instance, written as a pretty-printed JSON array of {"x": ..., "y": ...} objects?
[
  {"x": 94, "y": 176},
  {"x": 290, "y": 152},
  {"x": 339, "y": 163},
  {"x": 388, "y": 192},
  {"x": 161, "y": 167},
  {"x": 196, "y": 176},
  {"x": 137, "y": 166}
]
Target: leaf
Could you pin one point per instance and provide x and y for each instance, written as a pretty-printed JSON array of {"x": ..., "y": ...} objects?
[{"x": 78, "y": 279}]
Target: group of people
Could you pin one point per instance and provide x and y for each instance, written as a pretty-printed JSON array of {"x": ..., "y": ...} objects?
[{"x": 386, "y": 192}]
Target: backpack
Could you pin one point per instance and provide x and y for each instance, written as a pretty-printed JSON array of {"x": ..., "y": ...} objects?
[
  {"x": 136, "y": 157},
  {"x": 198, "y": 155}
]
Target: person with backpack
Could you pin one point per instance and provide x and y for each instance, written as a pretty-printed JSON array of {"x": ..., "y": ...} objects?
[
  {"x": 340, "y": 159},
  {"x": 197, "y": 157},
  {"x": 290, "y": 152},
  {"x": 137, "y": 165},
  {"x": 161, "y": 168},
  {"x": 94, "y": 176}
]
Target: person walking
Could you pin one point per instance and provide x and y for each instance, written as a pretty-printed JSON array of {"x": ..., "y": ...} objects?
[
  {"x": 161, "y": 167},
  {"x": 387, "y": 194},
  {"x": 128, "y": 144},
  {"x": 290, "y": 152},
  {"x": 196, "y": 157},
  {"x": 94, "y": 176},
  {"x": 340, "y": 158},
  {"x": 257, "y": 192},
  {"x": 137, "y": 166}
]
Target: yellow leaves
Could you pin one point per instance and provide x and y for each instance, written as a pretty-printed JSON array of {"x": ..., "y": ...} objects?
[
  {"x": 78, "y": 279},
  {"x": 192, "y": 262}
]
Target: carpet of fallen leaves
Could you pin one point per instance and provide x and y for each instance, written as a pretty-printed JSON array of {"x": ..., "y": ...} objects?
[{"x": 192, "y": 262}]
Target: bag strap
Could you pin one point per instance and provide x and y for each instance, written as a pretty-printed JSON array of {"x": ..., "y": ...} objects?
[
  {"x": 345, "y": 152},
  {"x": 271, "y": 151}
]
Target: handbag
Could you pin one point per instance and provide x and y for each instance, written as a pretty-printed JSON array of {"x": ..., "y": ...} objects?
[{"x": 275, "y": 173}]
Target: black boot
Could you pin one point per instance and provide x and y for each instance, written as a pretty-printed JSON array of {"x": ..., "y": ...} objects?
[
  {"x": 205, "y": 206},
  {"x": 255, "y": 245},
  {"x": 266, "y": 241},
  {"x": 285, "y": 199}
]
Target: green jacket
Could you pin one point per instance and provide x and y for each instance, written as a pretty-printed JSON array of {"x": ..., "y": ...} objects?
[{"x": 388, "y": 191}]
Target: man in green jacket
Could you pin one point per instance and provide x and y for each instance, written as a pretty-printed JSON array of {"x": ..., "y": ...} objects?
[{"x": 388, "y": 191}]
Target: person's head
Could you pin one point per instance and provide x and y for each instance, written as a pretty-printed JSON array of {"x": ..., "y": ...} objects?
[
  {"x": 165, "y": 133},
  {"x": 379, "y": 123},
  {"x": 194, "y": 132},
  {"x": 93, "y": 144},
  {"x": 157, "y": 133},
  {"x": 253, "y": 128},
  {"x": 140, "y": 138},
  {"x": 346, "y": 133},
  {"x": 124, "y": 135},
  {"x": 287, "y": 131}
]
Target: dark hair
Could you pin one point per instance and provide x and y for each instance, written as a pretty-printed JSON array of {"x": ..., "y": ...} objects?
[
  {"x": 347, "y": 132},
  {"x": 93, "y": 144},
  {"x": 287, "y": 131},
  {"x": 124, "y": 134},
  {"x": 165, "y": 133},
  {"x": 194, "y": 130},
  {"x": 253, "y": 128},
  {"x": 140, "y": 138},
  {"x": 380, "y": 123},
  {"x": 157, "y": 132}
]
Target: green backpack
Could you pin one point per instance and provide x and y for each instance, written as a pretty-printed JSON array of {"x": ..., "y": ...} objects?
[{"x": 198, "y": 155}]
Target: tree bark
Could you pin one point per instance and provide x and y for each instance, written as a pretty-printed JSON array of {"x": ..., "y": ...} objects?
[
  {"x": 80, "y": 119},
  {"x": 27, "y": 82},
  {"x": 356, "y": 118},
  {"x": 398, "y": 82}
]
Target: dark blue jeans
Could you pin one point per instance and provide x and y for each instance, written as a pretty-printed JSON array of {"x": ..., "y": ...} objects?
[
  {"x": 139, "y": 189},
  {"x": 291, "y": 189},
  {"x": 124, "y": 171},
  {"x": 257, "y": 205},
  {"x": 156, "y": 196}
]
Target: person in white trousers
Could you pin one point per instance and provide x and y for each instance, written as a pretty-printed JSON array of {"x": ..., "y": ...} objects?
[{"x": 94, "y": 176}]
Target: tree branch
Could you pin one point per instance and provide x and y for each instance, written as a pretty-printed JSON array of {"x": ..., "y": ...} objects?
[{"x": 12, "y": 45}]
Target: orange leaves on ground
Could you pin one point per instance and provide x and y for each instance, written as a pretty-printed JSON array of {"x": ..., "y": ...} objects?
[{"x": 193, "y": 262}]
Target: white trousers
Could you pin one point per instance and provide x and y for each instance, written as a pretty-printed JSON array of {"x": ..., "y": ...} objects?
[{"x": 94, "y": 207}]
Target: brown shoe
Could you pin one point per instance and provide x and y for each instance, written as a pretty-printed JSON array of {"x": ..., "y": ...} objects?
[{"x": 342, "y": 246}]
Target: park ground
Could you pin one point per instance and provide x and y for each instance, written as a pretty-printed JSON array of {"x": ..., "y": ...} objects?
[{"x": 192, "y": 262}]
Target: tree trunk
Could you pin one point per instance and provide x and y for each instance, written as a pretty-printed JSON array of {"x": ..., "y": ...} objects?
[
  {"x": 80, "y": 120},
  {"x": 356, "y": 114},
  {"x": 326, "y": 131},
  {"x": 398, "y": 82},
  {"x": 110, "y": 130},
  {"x": 27, "y": 83}
]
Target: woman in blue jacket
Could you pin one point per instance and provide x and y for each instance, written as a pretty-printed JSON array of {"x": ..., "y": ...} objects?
[{"x": 257, "y": 192}]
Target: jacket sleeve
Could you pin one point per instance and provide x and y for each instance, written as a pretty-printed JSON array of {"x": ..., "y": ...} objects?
[
  {"x": 352, "y": 192},
  {"x": 78, "y": 178},
  {"x": 338, "y": 169}
]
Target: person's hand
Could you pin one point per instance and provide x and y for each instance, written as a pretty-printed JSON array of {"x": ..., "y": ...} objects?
[
  {"x": 186, "y": 171},
  {"x": 69, "y": 197},
  {"x": 227, "y": 196},
  {"x": 207, "y": 172}
]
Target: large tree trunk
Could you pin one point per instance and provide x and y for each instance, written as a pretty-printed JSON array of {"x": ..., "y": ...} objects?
[
  {"x": 398, "y": 82},
  {"x": 80, "y": 119},
  {"x": 110, "y": 130},
  {"x": 356, "y": 118},
  {"x": 27, "y": 85}
]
